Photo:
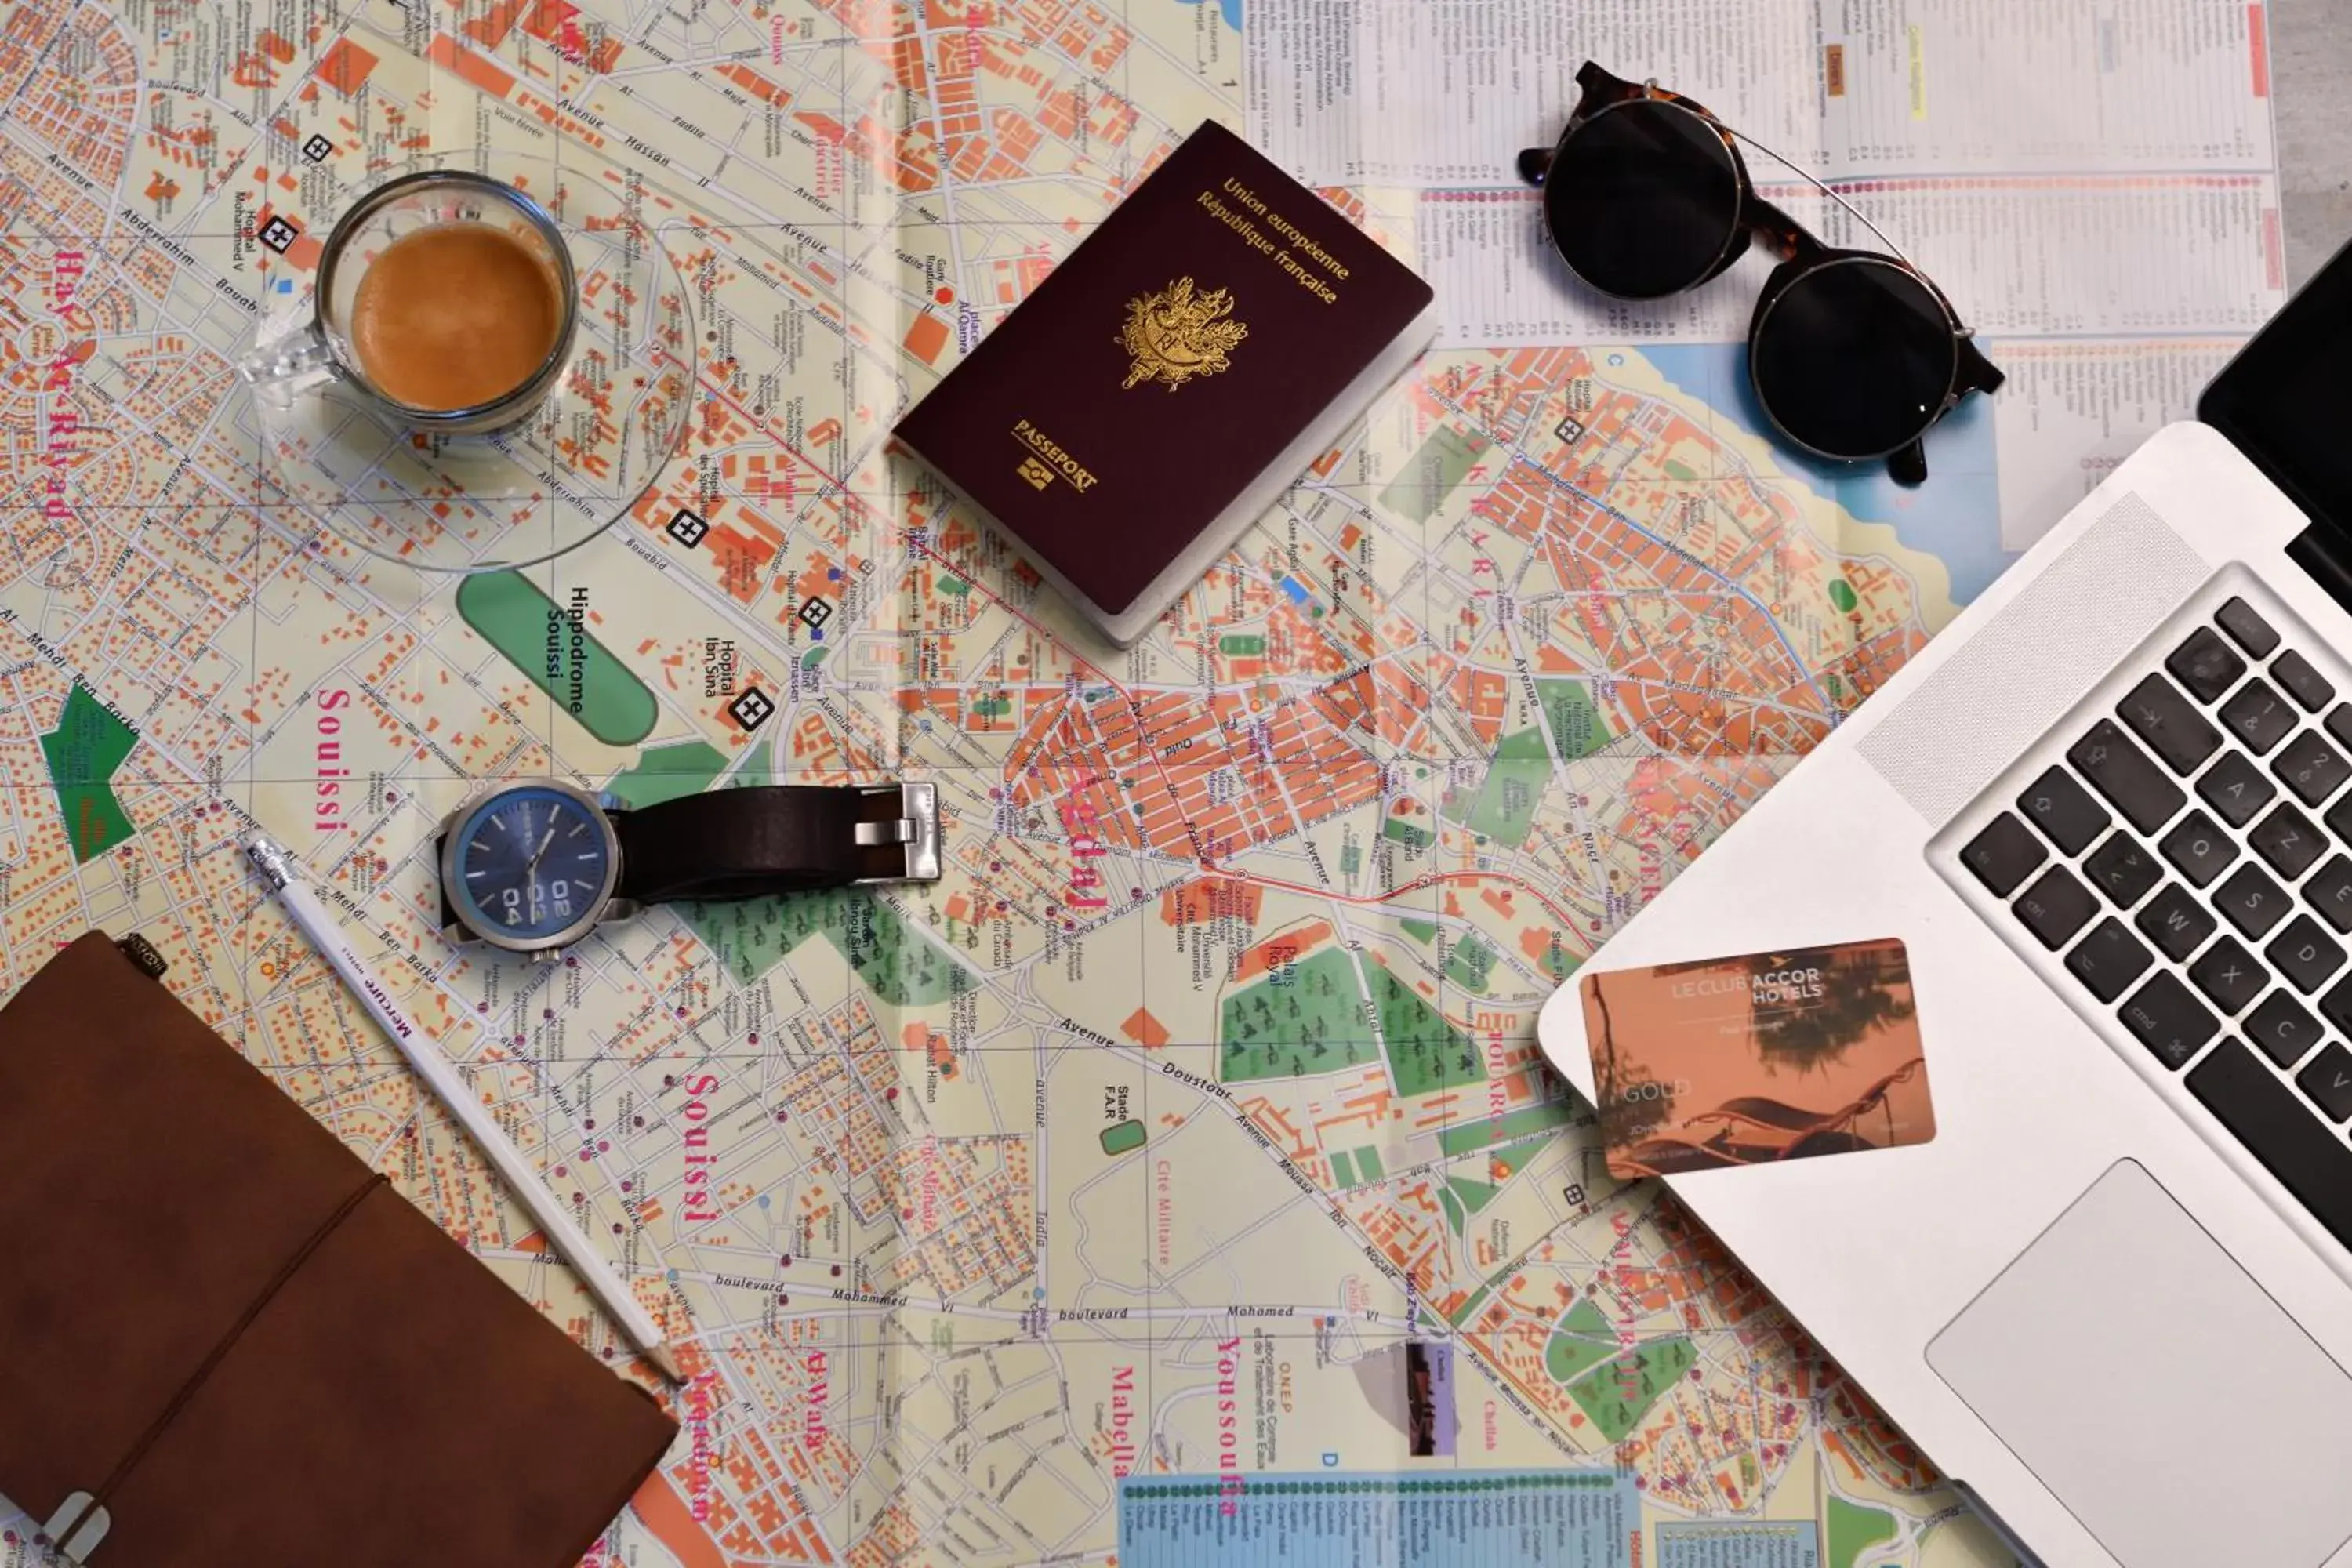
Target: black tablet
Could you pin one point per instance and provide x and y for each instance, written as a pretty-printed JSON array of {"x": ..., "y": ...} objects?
[{"x": 2285, "y": 400}]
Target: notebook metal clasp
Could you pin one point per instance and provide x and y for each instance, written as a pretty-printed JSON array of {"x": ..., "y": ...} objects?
[{"x": 77, "y": 1528}]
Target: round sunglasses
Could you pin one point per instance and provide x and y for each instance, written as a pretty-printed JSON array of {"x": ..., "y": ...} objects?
[{"x": 1852, "y": 354}]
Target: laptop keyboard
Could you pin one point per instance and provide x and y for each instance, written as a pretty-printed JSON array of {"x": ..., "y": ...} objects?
[{"x": 2192, "y": 859}]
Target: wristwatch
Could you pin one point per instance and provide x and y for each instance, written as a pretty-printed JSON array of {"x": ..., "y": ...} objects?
[{"x": 533, "y": 868}]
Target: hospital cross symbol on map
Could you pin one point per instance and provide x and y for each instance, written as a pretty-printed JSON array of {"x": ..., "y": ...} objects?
[
  {"x": 317, "y": 148},
  {"x": 815, "y": 612},
  {"x": 751, "y": 710},
  {"x": 688, "y": 528},
  {"x": 277, "y": 234}
]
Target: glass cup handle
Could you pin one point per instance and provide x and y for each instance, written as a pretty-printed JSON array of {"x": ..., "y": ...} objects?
[{"x": 281, "y": 370}]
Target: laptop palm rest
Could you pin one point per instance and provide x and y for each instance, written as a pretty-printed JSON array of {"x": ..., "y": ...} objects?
[{"x": 2149, "y": 1382}]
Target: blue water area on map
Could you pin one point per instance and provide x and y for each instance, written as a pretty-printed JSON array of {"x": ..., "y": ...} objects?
[
  {"x": 1295, "y": 589},
  {"x": 1953, "y": 517},
  {"x": 1232, "y": 8},
  {"x": 1443, "y": 1517}
]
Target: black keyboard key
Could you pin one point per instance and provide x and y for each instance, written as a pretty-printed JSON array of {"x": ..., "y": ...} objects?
[
  {"x": 2166, "y": 1018},
  {"x": 2124, "y": 870},
  {"x": 2330, "y": 892},
  {"x": 2258, "y": 716},
  {"x": 2339, "y": 820},
  {"x": 2064, "y": 810},
  {"x": 2280, "y": 1029},
  {"x": 2249, "y": 630},
  {"x": 2252, "y": 902},
  {"x": 2280, "y": 1130},
  {"x": 2303, "y": 682},
  {"x": 2312, "y": 768},
  {"x": 2169, "y": 723},
  {"x": 2340, "y": 723},
  {"x": 2329, "y": 1081},
  {"x": 2235, "y": 789},
  {"x": 2206, "y": 664},
  {"x": 2120, "y": 771},
  {"x": 2056, "y": 907},
  {"x": 2229, "y": 974},
  {"x": 2288, "y": 841},
  {"x": 2108, "y": 960},
  {"x": 2003, "y": 855},
  {"x": 2305, "y": 954},
  {"x": 2336, "y": 1006},
  {"x": 2200, "y": 851},
  {"x": 2176, "y": 922}
]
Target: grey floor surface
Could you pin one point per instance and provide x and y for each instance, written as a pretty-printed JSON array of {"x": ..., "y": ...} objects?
[{"x": 2311, "y": 65}]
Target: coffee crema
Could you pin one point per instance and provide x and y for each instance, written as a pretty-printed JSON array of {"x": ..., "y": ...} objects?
[{"x": 454, "y": 316}]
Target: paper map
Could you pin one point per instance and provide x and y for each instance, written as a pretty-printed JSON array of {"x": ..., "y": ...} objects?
[{"x": 1178, "y": 1176}]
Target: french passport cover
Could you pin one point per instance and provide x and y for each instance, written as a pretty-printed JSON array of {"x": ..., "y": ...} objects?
[
  {"x": 225, "y": 1343},
  {"x": 1116, "y": 413}
]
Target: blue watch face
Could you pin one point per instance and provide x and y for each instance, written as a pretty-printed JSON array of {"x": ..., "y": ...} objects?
[{"x": 529, "y": 863}]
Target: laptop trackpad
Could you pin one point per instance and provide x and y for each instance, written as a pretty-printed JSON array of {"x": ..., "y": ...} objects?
[{"x": 2151, "y": 1384}]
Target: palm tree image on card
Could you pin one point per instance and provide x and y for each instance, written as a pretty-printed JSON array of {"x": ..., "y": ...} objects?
[{"x": 1751, "y": 1060}]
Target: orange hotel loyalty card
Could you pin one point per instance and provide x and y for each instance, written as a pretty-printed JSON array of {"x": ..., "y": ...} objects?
[{"x": 1746, "y": 1061}]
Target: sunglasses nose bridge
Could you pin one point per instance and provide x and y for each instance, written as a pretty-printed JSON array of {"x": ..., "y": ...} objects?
[{"x": 1534, "y": 162}]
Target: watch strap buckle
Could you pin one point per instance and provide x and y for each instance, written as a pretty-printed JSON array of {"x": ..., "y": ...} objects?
[{"x": 903, "y": 817}]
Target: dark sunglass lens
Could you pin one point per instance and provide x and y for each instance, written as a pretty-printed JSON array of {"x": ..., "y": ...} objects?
[
  {"x": 1643, "y": 200},
  {"x": 1854, "y": 358}
]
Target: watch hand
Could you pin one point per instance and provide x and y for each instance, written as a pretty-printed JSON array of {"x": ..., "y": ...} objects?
[{"x": 532, "y": 866}]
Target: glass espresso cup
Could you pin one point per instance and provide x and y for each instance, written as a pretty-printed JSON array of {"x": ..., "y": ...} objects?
[{"x": 427, "y": 307}]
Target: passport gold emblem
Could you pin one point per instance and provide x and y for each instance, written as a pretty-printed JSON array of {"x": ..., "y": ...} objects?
[
  {"x": 1178, "y": 332},
  {"x": 1038, "y": 475}
]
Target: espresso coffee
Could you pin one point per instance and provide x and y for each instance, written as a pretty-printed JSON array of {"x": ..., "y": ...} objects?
[{"x": 454, "y": 316}]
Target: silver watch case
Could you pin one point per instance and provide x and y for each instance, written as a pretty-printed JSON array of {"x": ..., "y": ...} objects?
[{"x": 604, "y": 907}]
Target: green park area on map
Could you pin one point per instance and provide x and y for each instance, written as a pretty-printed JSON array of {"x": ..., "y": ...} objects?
[
  {"x": 1612, "y": 1383},
  {"x": 670, "y": 772},
  {"x": 88, "y": 743},
  {"x": 1503, "y": 806},
  {"x": 578, "y": 673},
  {"x": 752, "y": 936},
  {"x": 1308, "y": 1017},
  {"x": 1435, "y": 473},
  {"x": 1854, "y": 1530}
]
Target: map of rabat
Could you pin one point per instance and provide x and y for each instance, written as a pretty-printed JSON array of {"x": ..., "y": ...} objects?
[{"x": 1188, "y": 1140}]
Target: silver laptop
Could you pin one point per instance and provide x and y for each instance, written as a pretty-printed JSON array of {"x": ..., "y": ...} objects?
[{"x": 2109, "y": 812}]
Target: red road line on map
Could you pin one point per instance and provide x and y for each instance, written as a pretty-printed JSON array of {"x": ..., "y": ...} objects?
[
  {"x": 1433, "y": 879},
  {"x": 1158, "y": 765},
  {"x": 760, "y": 422},
  {"x": 1207, "y": 862}
]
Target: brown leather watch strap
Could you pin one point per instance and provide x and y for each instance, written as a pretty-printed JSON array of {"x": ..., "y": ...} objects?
[{"x": 741, "y": 843}]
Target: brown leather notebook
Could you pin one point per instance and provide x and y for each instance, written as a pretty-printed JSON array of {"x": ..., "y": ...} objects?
[
  {"x": 1165, "y": 383},
  {"x": 225, "y": 1343}
]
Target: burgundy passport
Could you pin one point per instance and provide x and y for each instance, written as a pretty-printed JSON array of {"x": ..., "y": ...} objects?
[{"x": 1164, "y": 384}]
